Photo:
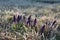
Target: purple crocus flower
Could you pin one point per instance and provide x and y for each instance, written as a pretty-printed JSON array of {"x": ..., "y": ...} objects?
[
  {"x": 35, "y": 21},
  {"x": 29, "y": 17},
  {"x": 28, "y": 21},
  {"x": 14, "y": 18},
  {"x": 19, "y": 18},
  {"x": 42, "y": 29},
  {"x": 53, "y": 22}
]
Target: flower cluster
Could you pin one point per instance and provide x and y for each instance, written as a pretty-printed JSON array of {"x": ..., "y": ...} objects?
[
  {"x": 50, "y": 32},
  {"x": 28, "y": 23},
  {"x": 49, "y": 25},
  {"x": 31, "y": 25},
  {"x": 17, "y": 19}
]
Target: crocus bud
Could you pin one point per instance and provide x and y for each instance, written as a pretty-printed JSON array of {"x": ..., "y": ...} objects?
[
  {"x": 42, "y": 29},
  {"x": 28, "y": 22},
  {"x": 14, "y": 18},
  {"x": 53, "y": 22},
  {"x": 35, "y": 21},
  {"x": 29, "y": 17},
  {"x": 19, "y": 18}
]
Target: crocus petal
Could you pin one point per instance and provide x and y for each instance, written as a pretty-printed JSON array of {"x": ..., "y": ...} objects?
[
  {"x": 19, "y": 18},
  {"x": 14, "y": 18},
  {"x": 29, "y": 17},
  {"x": 28, "y": 22},
  {"x": 53, "y": 22}
]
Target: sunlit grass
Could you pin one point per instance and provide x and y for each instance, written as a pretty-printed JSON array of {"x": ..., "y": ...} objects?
[{"x": 27, "y": 31}]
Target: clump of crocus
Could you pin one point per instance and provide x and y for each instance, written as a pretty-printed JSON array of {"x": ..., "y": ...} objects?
[
  {"x": 42, "y": 29},
  {"x": 17, "y": 19},
  {"x": 52, "y": 24},
  {"x": 50, "y": 32}
]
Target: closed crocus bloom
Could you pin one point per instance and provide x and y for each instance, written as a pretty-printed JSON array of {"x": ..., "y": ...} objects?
[
  {"x": 42, "y": 29},
  {"x": 28, "y": 22},
  {"x": 19, "y": 18},
  {"x": 29, "y": 17},
  {"x": 53, "y": 22},
  {"x": 35, "y": 21},
  {"x": 14, "y": 18}
]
